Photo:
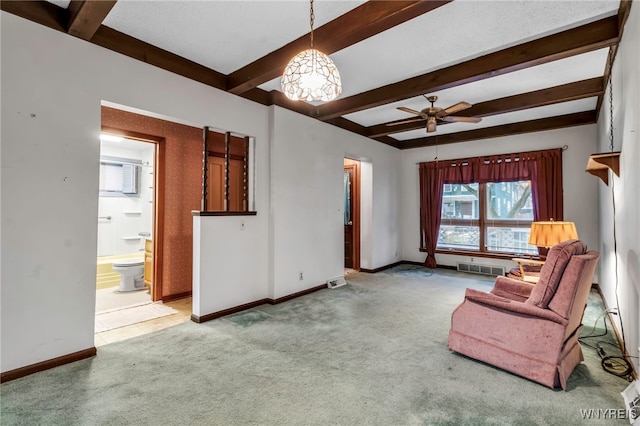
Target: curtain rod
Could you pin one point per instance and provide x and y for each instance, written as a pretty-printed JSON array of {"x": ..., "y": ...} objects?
[{"x": 563, "y": 147}]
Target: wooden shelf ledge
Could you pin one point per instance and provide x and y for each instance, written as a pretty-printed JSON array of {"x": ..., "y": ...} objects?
[{"x": 599, "y": 165}]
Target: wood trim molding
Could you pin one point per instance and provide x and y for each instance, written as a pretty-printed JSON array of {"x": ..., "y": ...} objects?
[
  {"x": 568, "y": 43},
  {"x": 381, "y": 268},
  {"x": 354, "y": 26},
  {"x": 222, "y": 213},
  {"x": 619, "y": 338},
  {"x": 178, "y": 296},
  {"x": 297, "y": 294},
  {"x": 250, "y": 305},
  {"x": 48, "y": 364},
  {"x": 229, "y": 311},
  {"x": 159, "y": 190},
  {"x": 130, "y": 134}
]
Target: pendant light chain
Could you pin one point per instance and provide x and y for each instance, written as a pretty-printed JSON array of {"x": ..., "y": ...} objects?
[
  {"x": 311, "y": 75},
  {"x": 312, "y": 18},
  {"x": 611, "y": 100}
]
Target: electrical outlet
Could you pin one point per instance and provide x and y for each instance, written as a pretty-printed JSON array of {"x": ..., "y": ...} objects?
[
  {"x": 301, "y": 276},
  {"x": 242, "y": 225}
]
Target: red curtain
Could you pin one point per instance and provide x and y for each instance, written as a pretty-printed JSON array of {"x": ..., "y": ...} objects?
[
  {"x": 543, "y": 168},
  {"x": 431, "y": 180}
]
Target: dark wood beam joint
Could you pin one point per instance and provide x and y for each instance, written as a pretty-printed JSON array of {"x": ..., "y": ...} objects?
[{"x": 85, "y": 17}]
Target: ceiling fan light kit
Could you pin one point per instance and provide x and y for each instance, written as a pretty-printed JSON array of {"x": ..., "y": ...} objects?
[
  {"x": 434, "y": 114},
  {"x": 311, "y": 75}
]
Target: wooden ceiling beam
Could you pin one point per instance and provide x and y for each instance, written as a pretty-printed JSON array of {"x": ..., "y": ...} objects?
[
  {"x": 550, "y": 123},
  {"x": 561, "y": 45},
  {"x": 85, "y": 17},
  {"x": 548, "y": 96},
  {"x": 364, "y": 21},
  {"x": 40, "y": 12},
  {"x": 55, "y": 17},
  {"x": 145, "y": 52},
  {"x": 623, "y": 15}
]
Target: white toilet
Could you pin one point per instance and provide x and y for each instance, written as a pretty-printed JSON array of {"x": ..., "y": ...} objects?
[{"x": 131, "y": 274}]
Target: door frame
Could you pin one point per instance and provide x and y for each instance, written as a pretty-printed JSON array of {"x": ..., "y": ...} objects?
[
  {"x": 355, "y": 210},
  {"x": 158, "y": 204}
]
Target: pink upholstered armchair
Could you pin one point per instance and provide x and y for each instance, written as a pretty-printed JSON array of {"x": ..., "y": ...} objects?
[{"x": 530, "y": 330}]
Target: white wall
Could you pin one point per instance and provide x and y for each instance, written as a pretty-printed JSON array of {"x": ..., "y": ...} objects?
[
  {"x": 624, "y": 191},
  {"x": 221, "y": 281},
  {"x": 52, "y": 88},
  {"x": 580, "y": 189},
  {"x": 307, "y": 158}
]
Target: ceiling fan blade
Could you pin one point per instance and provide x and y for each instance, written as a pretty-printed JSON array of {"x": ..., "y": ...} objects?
[
  {"x": 411, "y": 120},
  {"x": 457, "y": 119},
  {"x": 431, "y": 126},
  {"x": 454, "y": 108},
  {"x": 410, "y": 111}
]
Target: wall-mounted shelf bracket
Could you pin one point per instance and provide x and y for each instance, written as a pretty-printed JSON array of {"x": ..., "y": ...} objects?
[{"x": 599, "y": 165}]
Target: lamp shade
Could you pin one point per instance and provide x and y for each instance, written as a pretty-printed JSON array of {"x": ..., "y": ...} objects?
[
  {"x": 548, "y": 234},
  {"x": 311, "y": 76}
]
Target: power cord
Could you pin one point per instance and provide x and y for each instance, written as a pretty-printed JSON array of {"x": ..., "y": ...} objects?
[{"x": 617, "y": 364}]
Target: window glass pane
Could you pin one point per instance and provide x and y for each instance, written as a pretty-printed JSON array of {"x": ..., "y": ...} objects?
[
  {"x": 512, "y": 239},
  {"x": 509, "y": 201},
  {"x": 459, "y": 237},
  {"x": 460, "y": 201}
]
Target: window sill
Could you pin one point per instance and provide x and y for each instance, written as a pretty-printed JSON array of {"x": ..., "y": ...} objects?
[
  {"x": 471, "y": 253},
  {"x": 221, "y": 213}
]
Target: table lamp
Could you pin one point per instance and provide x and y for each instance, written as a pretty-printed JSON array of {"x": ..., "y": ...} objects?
[{"x": 548, "y": 234}]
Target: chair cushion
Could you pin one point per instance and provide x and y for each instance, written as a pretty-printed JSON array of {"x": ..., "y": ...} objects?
[{"x": 551, "y": 272}]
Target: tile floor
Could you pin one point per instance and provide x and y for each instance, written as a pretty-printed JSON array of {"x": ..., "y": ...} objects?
[{"x": 183, "y": 306}]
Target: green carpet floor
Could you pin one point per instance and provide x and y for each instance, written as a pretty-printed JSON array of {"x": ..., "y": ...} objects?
[{"x": 373, "y": 352}]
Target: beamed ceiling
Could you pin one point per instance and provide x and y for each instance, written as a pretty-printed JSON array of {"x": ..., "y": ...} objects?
[{"x": 526, "y": 66}]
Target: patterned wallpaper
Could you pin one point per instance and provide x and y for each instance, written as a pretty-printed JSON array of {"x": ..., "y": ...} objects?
[{"x": 182, "y": 177}]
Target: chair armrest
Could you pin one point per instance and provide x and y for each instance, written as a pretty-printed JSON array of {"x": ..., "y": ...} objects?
[
  {"x": 494, "y": 301},
  {"x": 506, "y": 287}
]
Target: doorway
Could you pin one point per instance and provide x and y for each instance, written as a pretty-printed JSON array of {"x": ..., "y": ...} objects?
[
  {"x": 351, "y": 215},
  {"x": 129, "y": 230}
]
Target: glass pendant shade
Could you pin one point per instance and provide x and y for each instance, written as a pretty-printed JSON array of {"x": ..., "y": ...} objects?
[{"x": 311, "y": 76}]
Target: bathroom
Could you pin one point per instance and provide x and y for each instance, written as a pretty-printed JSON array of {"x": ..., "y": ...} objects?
[{"x": 125, "y": 223}]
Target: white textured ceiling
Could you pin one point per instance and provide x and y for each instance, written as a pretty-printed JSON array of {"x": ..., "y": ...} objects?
[
  {"x": 227, "y": 35},
  {"x": 222, "y": 35}
]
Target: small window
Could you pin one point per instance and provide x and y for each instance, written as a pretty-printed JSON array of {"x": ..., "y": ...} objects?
[{"x": 119, "y": 177}]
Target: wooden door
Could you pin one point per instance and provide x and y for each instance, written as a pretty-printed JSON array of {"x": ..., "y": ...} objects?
[
  {"x": 349, "y": 175},
  {"x": 215, "y": 184}
]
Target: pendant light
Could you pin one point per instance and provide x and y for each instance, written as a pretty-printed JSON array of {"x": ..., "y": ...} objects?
[{"x": 311, "y": 75}]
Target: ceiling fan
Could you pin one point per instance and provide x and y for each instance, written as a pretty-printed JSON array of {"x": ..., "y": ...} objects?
[{"x": 434, "y": 114}]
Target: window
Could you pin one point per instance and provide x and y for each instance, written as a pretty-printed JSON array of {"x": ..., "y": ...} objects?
[
  {"x": 490, "y": 206},
  {"x": 119, "y": 177},
  {"x": 488, "y": 217}
]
